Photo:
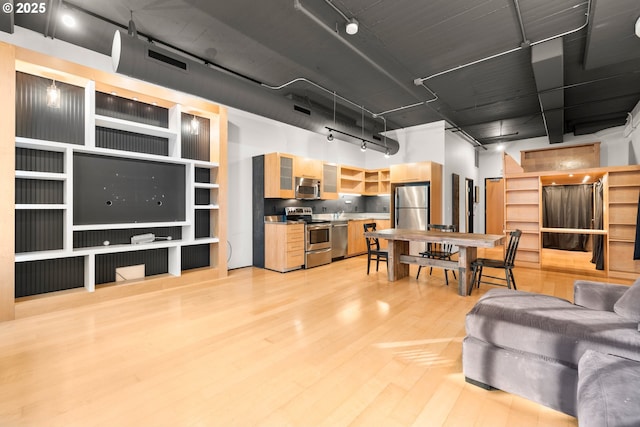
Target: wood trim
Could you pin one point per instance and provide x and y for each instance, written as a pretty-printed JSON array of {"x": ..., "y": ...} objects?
[{"x": 7, "y": 177}]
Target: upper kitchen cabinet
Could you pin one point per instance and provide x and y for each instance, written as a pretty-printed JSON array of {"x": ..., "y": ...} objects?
[
  {"x": 329, "y": 181},
  {"x": 279, "y": 176},
  {"x": 411, "y": 172},
  {"x": 305, "y": 167}
]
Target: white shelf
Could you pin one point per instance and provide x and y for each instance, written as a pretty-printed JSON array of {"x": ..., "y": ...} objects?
[
  {"x": 207, "y": 207},
  {"x": 42, "y": 255},
  {"x": 141, "y": 128},
  {"x": 205, "y": 185},
  {"x": 109, "y": 249},
  {"x": 202, "y": 241},
  {"x": 43, "y": 206},
  {"x": 122, "y": 226},
  {"x": 45, "y": 176},
  {"x": 41, "y": 144},
  {"x": 205, "y": 165}
]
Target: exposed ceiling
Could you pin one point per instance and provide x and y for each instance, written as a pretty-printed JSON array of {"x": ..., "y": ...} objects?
[{"x": 495, "y": 70}]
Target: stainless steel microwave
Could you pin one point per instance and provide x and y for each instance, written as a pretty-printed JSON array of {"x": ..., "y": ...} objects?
[{"x": 307, "y": 189}]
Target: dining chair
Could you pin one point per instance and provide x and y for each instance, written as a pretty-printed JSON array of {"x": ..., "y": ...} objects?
[
  {"x": 506, "y": 264},
  {"x": 374, "y": 253},
  {"x": 441, "y": 251}
]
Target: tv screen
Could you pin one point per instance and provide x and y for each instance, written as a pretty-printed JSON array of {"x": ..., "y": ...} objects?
[{"x": 115, "y": 190}]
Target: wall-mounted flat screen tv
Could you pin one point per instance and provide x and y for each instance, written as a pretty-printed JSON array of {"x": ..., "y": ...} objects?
[{"x": 116, "y": 190}]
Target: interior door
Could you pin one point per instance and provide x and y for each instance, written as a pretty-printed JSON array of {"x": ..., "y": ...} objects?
[
  {"x": 494, "y": 205},
  {"x": 469, "y": 205}
]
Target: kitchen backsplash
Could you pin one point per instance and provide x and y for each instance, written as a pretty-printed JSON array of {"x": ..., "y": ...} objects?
[{"x": 346, "y": 203}]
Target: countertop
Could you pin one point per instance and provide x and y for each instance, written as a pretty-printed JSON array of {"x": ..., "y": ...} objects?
[{"x": 279, "y": 219}]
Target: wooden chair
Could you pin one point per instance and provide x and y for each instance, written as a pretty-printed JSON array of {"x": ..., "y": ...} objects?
[
  {"x": 374, "y": 253},
  {"x": 506, "y": 264},
  {"x": 442, "y": 251}
]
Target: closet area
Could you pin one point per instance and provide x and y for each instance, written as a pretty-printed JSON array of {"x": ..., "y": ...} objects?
[{"x": 575, "y": 215}]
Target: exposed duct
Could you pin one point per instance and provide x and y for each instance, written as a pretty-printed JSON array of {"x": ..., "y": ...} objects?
[
  {"x": 145, "y": 61},
  {"x": 547, "y": 60}
]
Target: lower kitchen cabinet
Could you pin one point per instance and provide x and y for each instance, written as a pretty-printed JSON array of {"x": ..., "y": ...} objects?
[
  {"x": 356, "y": 243},
  {"x": 284, "y": 246}
]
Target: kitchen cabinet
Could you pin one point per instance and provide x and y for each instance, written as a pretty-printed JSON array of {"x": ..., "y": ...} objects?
[
  {"x": 351, "y": 180},
  {"x": 411, "y": 172},
  {"x": 278, "y": 176},
  {"x": 376, "y": 182},
  {"x": 329, "y": 182},
  {"x": 623, "y": 189},
  {"x": 355, "y": 236},
  {"x": 307, "y": 168},
  {"x": 284, "y": 246},
  {"x": 382, "y": 224}
]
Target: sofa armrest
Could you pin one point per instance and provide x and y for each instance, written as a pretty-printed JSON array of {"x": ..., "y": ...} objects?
[{"x": 597, "y": 295}]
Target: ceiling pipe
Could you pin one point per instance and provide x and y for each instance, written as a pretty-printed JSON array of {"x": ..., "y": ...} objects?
[
  {"x": 419, "y": 81},
  {"x": 137, "y": 58},
  {"x": 298, "y": 6}
]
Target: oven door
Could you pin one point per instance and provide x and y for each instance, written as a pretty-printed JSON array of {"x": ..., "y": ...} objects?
[{"x": 318, "y": 237}]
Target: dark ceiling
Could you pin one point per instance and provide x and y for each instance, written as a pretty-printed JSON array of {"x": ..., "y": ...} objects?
[{"x": 496, "y": 70}]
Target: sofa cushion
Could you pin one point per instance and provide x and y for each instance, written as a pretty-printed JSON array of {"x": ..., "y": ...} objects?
[
  {"x": 629, "y": 303},
  {"x": 550, "y": 327},
  {"x": 607, "y": 391}
]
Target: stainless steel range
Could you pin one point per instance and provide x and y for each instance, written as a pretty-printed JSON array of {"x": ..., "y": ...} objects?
[{"x": 317, "y": 236}]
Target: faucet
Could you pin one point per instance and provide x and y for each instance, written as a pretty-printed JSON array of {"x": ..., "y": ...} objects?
[{"x": 336, "y": 215}]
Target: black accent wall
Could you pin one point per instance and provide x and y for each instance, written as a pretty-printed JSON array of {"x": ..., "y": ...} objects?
[
  {"x": 39, "y": 277},
  {"x": 35, "y": 120},
  {"x": 134, "y": 111},
  {"x": 38, "y": 230},
  {"x": 195, "y": 256},
  {"x": 195, "y": 147},
  {"x": 129, "y": 141},
  {"x": 28, "y": 159}
]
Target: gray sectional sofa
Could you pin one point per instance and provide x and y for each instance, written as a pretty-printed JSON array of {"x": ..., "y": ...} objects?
[{"x": 551, "y": 351}]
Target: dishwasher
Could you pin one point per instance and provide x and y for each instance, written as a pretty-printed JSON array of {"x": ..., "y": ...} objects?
[{"x": 339, "y": 236}]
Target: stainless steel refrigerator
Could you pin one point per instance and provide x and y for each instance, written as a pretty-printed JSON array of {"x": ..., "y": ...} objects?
[{"x": 412, "y": 210}]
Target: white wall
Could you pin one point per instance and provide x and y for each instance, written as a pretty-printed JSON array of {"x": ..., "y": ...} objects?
[{"x": 459, "y": 159}]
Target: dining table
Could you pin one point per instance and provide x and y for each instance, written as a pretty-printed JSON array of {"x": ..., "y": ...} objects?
[{"x": 399, "y": 258}]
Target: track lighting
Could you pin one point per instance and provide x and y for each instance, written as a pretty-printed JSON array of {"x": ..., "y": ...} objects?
[
  {"x": 352, "y": 26},
  {"x": 638, "y": 27},
  {"x": 330, "y": 137},
  {"x": 363, "y": 147},
  {"x": 53, "y": 95},
  {"x": 195, "y": 126},
  {"x": 387, "y": 154}
]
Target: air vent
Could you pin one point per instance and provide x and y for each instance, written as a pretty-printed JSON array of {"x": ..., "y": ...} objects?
[
  {"x": 167, "y": 59},
  {"x": 302, "y": 109}
]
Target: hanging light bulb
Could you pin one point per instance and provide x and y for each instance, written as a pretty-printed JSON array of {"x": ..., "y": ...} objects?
[
  {"x": 363, "y": 147},
  {"x": 387, "y": 154},
  {"x": 53, "y": 95},
  {"x": 195, "y": 126}
]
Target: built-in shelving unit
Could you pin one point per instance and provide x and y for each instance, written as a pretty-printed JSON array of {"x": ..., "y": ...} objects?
[
  {"x": 58, "y": 251},
  {"x": 623, "y": 194},
  {"x": 522, "y": 212}
]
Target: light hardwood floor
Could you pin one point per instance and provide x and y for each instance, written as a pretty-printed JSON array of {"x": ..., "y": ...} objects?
[{"x": 328, "y": 346}]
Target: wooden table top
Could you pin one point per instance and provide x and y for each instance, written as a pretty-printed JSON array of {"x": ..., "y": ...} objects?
[{"x": 458, "y": 239}]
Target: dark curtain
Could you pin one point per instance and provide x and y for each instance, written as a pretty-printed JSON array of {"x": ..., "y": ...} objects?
[
  {"x": 598, "y": 240},
  {"x": 567, "y": 206}
]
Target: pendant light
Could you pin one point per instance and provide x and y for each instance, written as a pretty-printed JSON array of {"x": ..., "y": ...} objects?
[
  {"x": 195, "y": 126},
  {"x": 330, "y": 136},
  {"x": 53, "y": 95}
]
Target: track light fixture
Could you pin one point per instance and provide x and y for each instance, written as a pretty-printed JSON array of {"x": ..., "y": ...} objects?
[
  {"x": 53, "y": 95},
  {"x": 387, "y": 154},
  {"x": 638, "y": 27},
  {"x": 330, "y": 137},
  {"x": 363, "y": 147},
  {"x": 352, "y": 26}
]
